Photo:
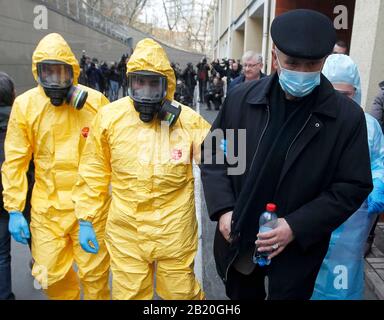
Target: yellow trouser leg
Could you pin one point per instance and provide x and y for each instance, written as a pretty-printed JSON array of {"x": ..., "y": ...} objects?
[
  {"x": 93, "y": 268},
  {"x": 67, "y": 288},
  {"x": 175, "y": 279},
  {"x": 132, "y": 283},
  {"x": 53, "y": 253},
  {"x": 132, "y": 275}
]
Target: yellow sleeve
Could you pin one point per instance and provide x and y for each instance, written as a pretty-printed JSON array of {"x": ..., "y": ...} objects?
[
  {"x": 91, "y": 192},
  {"x": 18, "y": 153},
  {"x": 200, "y": 131},
  {"x": 104, "y": 101}
]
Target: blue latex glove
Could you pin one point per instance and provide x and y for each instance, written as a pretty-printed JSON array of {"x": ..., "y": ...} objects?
[
  {"x": 223, "y": 146},
  {"x": 376, "y": 198},
  {"x": 18, "y": 227},
  {"x": 86, "y": 236}
]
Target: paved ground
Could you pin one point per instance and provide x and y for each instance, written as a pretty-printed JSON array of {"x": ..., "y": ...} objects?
[
  {"x": 213, "y": 286},
  {"x": 374, "y": 266},
  {"x": 379, "y": 236},
  {"x": 22, "y": 281}
]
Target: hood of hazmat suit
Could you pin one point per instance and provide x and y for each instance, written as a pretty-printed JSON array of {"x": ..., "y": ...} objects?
[
  {"x": 149, "y": 165},
  {"x": 340, "y": 68}
]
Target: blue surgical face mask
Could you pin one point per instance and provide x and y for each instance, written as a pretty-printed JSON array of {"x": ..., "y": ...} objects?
[{"x": 298, "y": 84}]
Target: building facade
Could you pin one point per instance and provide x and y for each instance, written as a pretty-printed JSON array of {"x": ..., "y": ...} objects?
[{"x": 242, "y": 25}]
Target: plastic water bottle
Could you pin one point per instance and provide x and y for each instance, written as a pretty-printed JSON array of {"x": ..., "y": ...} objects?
[{"x": 267, "y": 222}]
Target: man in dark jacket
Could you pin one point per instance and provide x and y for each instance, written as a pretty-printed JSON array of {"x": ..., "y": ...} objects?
[
  {"x": 122, "y": 69},
  {"x": 252, "y": 65},
  {"x": 215, "y": 93},
  {"x": 233, "y": 72},
  {"x": 114, "y": 83},
  {"x": 218, "y": 69},
  {"x": 7, "y": 96},
  {"x": 377, "y": 109},
  {"x": 189, "y": 77},
  {"x": 306, "y": 151},
  {"x": 95, "y": 77},
  {"x": 202, "y": 76},
  {"x": 105, "y": 72}
]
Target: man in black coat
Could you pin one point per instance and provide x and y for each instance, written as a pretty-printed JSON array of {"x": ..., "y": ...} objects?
[
  {"x": 306, "y": 151},
  {"x": 202, "y": 76},
  {"x": 252, "y": 65},
  {"x": 189, "y": 75},
  {"x": 377, "y": 108},
  {"x": 7, "y": 96}
]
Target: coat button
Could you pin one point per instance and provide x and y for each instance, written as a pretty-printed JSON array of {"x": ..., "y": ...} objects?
[{"x": 317, "y": 124}]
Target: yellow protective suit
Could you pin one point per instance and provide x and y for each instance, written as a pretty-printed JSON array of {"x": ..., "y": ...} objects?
[
  {"x": 151, "y": 224},
  {"x": 55, "y": 137}
]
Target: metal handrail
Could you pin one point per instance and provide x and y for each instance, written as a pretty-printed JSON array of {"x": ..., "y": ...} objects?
[{"x": 82, "y": 12}]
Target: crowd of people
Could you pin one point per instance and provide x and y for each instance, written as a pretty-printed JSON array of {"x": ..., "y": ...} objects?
[
  {"x": 214, "y": 80},
  {"x": 107, "y": 78},
  {"x": 113, "y": 184}
]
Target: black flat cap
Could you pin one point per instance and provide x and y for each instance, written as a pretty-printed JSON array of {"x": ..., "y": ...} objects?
[{"x": 303, "y": 34}]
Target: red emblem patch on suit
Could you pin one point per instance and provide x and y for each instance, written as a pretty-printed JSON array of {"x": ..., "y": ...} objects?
[
  {"x": 84, "y": 132},
  {"x": 177, "y": 154}
]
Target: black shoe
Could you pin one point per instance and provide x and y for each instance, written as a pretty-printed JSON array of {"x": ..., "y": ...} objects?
[{"x": 31, "y": 263}]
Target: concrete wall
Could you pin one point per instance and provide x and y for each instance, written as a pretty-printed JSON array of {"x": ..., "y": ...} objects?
[
  {"x": 237, "y": 47},
  {"x": 238, "y": 8},
  {"x": 367, "y": 47},
  {"x": 223, "y": 45},
  {"x": 253, "y": 34},
  {"x": 225, "y": 15},
  {"x": 18, "y": 39}
]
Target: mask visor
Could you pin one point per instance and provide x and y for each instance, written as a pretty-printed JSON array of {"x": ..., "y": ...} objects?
[
  {"x": 54, "y": 74},
  {"x": 147, "y": 87}
]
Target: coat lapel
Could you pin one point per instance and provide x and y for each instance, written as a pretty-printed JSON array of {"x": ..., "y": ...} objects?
[{"x": 311, "y": 129}]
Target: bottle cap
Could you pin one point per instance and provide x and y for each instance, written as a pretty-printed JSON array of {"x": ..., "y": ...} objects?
[{"x": 271, "y": 207}]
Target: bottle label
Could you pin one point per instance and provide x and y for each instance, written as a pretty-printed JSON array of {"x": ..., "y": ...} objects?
[{"x": 265, "y": 229}]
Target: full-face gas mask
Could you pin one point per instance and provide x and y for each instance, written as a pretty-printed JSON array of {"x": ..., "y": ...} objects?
[
  {"x": 148, "y": 91},
  {"x": 56, "y": 78}
]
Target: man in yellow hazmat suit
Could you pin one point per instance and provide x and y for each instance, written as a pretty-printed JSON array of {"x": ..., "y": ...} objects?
[
  {"x": 143, "y": 146},
  {"x": 50, "y": 123}
]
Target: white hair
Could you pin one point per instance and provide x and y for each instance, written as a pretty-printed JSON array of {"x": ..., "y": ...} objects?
[{"x": 252, "y": 55}]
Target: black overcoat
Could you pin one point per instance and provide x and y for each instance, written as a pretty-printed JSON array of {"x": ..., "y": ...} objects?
[{"x": 325, "y": 178}]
